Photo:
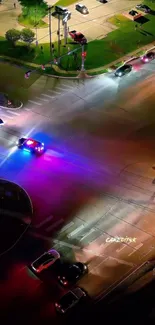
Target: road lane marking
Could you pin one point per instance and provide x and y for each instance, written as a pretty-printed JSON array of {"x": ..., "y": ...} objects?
[
  {"x": 43, "y": 222},
  {"x": 87, "y": 234},
  {"x": 47, "y": 96},
  {"x": 75, "y": 231},
  {"x": 33, "y": 102},
  {"x": 54, "y": 91},
  {"x": 67, "y": 226},
  {"x": 122, "y": 261},
  {"x": 13, "y": 113},
  {"x": 54, "y": 225},
  {"x": 135, "y": 249}
]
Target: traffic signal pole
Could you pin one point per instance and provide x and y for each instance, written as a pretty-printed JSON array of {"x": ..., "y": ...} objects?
[{"x": 83, "y": 58}]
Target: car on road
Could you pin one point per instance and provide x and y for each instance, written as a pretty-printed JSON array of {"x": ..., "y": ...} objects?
[
  {"x": 1, "y": 122},
  {"x": 143, "y": 8},
  {"x": 148, "y": 57},
  {"x": 133, "y": 13},
  {"x": 45, "y": 261},
  {"x": 31, "y": 145},
  {"x": 78, "y": 37},
  {"x": 69, "y": 300},
  {"x": 124, "y": 69},
  {"x": 82, "y": 8},
  {"x": 71, "y": 273}
]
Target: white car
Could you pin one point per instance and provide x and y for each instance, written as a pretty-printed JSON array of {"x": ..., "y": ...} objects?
[{"x": 45, "y": 260}]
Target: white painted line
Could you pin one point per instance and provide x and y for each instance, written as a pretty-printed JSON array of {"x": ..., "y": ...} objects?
[
  {"x": 64, "y": 85},
  {"x": 47, "y": 96},
  {"x": 44, "y": 100},
  {"x": 33, "y": 102},
  {"x": 147, "y": 252},
  {"x": 97, "y": 266},
  {"x": 55, "y": 224},
  {"x": 121, "y": 248},
  {"x": 13, "y": 113},
  {"x": 87, "y": 234},
  {"x": 60, "y": 88},
  {"x": 136, "y": 248},
  {"x": 75, "y": 231},
  {"x": 121, "y": 261},
  {"x": 43, "y": 222},
  {"x": 7, "y": 116},
  {"x": 53, "y": 91},
  {"x": 27, "y": 109},
  {"x": 67, "y": 226}
]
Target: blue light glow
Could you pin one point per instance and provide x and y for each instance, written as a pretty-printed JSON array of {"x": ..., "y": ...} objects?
[{"x": 27, "y": 150}]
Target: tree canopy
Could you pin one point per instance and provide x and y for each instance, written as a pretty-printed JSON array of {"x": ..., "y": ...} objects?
[
  {"x": 13, "y": 35},
  {"x": 27, "y": 35}
]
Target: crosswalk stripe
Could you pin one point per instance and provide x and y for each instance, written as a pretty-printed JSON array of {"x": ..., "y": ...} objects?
[
  {"x": 44, "y": 100},
  {"x": 54, "y": 91},
  {"x": 33, "y": 102},
  {"x": 47, "y": 96},
  {"x": 63, "y": 85},
  {"x": 7, "y": 116},
  {"x": 13, "y": 113}
]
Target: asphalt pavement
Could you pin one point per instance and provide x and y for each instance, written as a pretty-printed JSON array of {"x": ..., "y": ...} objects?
[{"x": 94, "y": 181}]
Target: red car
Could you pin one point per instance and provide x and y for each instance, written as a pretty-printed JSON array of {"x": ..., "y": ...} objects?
[{"x": 78, "y": 37}]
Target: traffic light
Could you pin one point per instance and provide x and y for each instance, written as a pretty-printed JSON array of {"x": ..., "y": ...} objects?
[
  {"x": 27, "y": 74},
  {"x": 43, "y": 67},
  {"x": 84, "y": 54}
]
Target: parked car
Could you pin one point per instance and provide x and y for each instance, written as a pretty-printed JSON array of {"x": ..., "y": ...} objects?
[
  {"x": 45, "y": 260},
  {"x": 1, "y": 122},
  {"x": 82, "y": 8},
  {"x": 133, "y": 13},
  {"x": 78, "y": 37},
  {"x": 148, "y": 57},
  {"x": 143, "y": 8},
  {"x": 71, "y": 273},
  {"x": 124, "y": 69},
  {"x": 69, "y": 300}
]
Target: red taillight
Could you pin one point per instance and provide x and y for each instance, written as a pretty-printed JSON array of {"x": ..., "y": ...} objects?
[{"x": 65, "y": 283}]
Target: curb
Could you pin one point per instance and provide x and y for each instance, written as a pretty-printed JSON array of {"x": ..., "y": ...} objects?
[{"x": 12, "y": 108}]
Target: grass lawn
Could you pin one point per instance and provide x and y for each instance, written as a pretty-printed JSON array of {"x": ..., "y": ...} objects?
[
  {"x": 118, "y": 43},
  {"x": 13, "y": 83},
  {"x": 26, "y": 22},
  {"x": 65, "y": 3}
]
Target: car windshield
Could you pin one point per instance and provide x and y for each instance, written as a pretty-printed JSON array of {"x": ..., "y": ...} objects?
[
  {"x": 44, "y": 259},
  {"x": 124, "y": 68},
  {"x": 80, "y": 35},
  {"x": 72, "y": 272},
  {"x": 149, "y": 55},
  {"x": 68, "y": 300}
]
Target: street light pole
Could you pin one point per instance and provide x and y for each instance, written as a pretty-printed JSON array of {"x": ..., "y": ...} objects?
[{"x": 58, "y": 35}]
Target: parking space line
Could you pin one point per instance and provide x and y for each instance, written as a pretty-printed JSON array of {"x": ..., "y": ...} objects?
[
  {"x": 67, "y": 226},
  {"x": 70, "y": 87},
  {"x": 33, "y": 102},
  {"x": 87, "y": 234},
  {"x": 96, "y": 266},
  {"x": 75, "y": 231},
  {"x": 27, "y": 109},
  {"x": 54, "y": 225},
  {"x": 60, "y": 88},
  {"x": 54, "y": 91},
  {"x": 43, "y": 222},
  {"x": 135, "y": 249},
  {"x": 122, "y": 261},
  {"x": 47, "y": 96},
  {"x": 13, "y": 113},
  {"x": 121, "y": 248}
]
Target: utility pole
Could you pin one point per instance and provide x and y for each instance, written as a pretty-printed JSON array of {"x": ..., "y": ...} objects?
[
  {"x": 65, "y": 33},
  {"x": 50, "y": 28},
  {"x": 36, "y": 24},
  {"x": 58, "y": 32}
]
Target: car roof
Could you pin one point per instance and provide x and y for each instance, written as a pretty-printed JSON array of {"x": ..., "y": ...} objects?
[
  {"x": 123, "y": 67},
  {"x": 68, "y": 299},
  {"x": 80, "y": 5},
  {"x": 34, "y": 142},
  {"x": 42, "y": 259}
]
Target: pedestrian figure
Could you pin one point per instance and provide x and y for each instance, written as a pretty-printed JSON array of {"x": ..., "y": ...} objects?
[{"x": 14, "y": 5}]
